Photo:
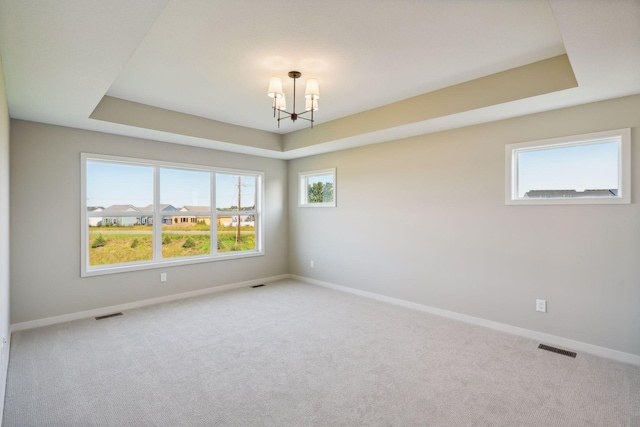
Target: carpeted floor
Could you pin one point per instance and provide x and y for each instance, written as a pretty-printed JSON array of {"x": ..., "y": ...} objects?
[{"x": 292, "y": 354}]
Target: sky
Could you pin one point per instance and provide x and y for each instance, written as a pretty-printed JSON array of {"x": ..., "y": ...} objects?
[
  {"x": 127, "y": 184},
  {"x": 581, "y": 167}
]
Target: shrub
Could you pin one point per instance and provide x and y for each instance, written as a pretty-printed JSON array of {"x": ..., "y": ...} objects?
[
  {"x": 166, "y": 240},
  {"x": 134, "y": 244},
  {"x": 99, "y": 242},
  {"x": 189, "y": 243}
]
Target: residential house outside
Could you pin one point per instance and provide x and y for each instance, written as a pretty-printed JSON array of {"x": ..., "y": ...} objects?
[
  {"x": 122, "y": 221},
  {"x": 95, "y": 221},
  {"x": 188, "y": 220},
  {"x": 148, "y": 219},
  {"x": 545, "y": 194}
]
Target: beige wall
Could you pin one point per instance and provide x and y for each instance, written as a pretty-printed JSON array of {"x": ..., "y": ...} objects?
[
  {"x": 4, "y": 232},
  {"x": 424, "y": 220},
  {"x": 45, "y": 218},
  {"x": 421, "y": 219}
]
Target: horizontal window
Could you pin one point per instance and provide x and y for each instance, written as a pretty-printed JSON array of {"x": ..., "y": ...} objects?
[
  {"x": 317, "y": 188},
  {"x": 592, "y": 168},
  {"x": 141, "y": 214}
]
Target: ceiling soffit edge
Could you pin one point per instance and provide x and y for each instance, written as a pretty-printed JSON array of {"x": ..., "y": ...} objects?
[{"x": 539, "y": 78}]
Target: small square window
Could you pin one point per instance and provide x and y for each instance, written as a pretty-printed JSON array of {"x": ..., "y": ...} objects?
[
  {"x": 581, "y": 169},
  {"x": 317, "y": 188}
]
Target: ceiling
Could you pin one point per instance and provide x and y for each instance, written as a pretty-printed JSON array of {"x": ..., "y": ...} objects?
[{"x": 196, "y": 72}]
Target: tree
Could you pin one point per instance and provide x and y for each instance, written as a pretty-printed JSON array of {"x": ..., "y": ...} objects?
[
  {"x": 320, "y": 192},
  {"x": 99, "y": 242}
]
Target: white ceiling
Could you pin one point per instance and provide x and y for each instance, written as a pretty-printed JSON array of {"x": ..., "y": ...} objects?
[{"x": 213, "y": 59}]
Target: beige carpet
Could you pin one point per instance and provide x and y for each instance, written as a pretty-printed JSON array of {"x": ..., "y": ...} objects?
[{"x": 291, "y": 354}]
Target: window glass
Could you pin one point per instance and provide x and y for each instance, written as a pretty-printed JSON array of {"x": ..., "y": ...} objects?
[
  {"x": 569, "y": 171},
  {"x": 116, "y": 193},
  {"x": 235, "y": 192},
  {"x": 119, "y": 184},
  {"x": 591, "y": 168},
  {"x": 237, "y": 236},
  {"x": 132, "y": 222},
  {"x": 185, "y": 188},
  {"x": 185, "y": 236},
  {"x": 317, "y": 188},
  {"x": 119, "y": 246},
  {"x": 235, "y": 196}
]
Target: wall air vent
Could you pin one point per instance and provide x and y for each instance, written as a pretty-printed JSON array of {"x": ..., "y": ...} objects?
[
  {"x": 106, "y": 316},
  {"x": 557, "y": 350}
]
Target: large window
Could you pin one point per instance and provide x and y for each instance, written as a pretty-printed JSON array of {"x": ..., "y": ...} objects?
[
  {"x": 140, "y": 214},
  {"x": 591, "y": 168}
]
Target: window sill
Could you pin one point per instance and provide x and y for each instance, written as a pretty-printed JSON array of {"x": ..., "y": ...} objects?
[{"x": 124, "y": 268}]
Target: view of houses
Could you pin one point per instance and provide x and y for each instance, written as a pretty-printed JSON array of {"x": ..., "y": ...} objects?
[
  {"x": 537, "y": 194},
  {"x": 126, "y": 215}
]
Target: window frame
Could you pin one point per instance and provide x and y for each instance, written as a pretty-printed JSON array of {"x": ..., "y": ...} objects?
[
  {"x": 302, "y": 188},
  {"x": 157, "y": 261},
  {"x": 621, "y": 136}
]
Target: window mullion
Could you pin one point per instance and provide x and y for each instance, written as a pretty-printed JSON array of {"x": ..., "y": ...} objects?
[
  {"x": 131, "y": 241},
  {"x": 157, "y": 216},
  {"x": 214, "y": 216}
]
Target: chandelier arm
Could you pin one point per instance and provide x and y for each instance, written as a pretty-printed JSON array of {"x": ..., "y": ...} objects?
[
  {"x": 293, "y": 115},
  {"x": 288, "y": 115}
]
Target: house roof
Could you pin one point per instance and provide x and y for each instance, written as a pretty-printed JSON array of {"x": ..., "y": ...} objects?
[
  {"x": 196, "y": 72},
  {"x": 163, "y": 208},
  {"x": 196, "y": 208},
  {"x": 120, "y": 208}
]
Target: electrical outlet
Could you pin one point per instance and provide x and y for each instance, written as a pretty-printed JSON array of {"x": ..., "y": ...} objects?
[
  {"x": 311, "y": 264},
  {"x": 163, "y": 277},
  {"x": 541, "y": 305}
]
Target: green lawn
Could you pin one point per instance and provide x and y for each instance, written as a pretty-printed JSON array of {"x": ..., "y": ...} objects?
[{"x": 118, "y": 247}]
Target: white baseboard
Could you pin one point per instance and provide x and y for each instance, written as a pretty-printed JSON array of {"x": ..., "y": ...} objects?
[
  {"x": 5, "y": 352},
  {"x": 128, "y": 306},
  {"x": 527, "y": 333}
]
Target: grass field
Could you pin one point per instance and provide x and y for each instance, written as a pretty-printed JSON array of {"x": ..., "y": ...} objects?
[
  {"x": 190, "y": 227},
  {"x": 120, "y": 247}
]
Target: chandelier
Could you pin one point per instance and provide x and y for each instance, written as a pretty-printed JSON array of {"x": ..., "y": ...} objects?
[{"x": 279, "y": 105}]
